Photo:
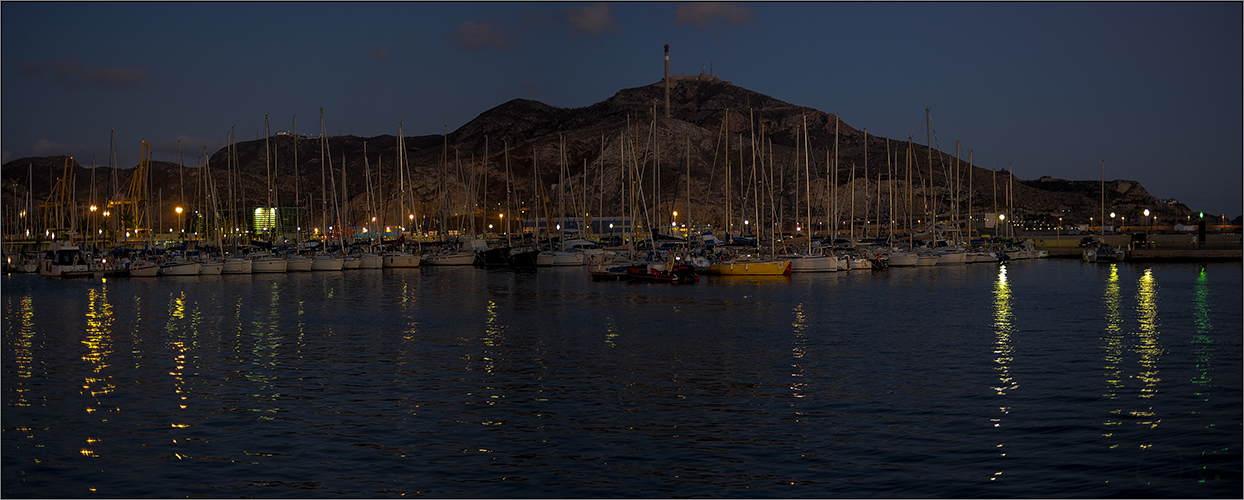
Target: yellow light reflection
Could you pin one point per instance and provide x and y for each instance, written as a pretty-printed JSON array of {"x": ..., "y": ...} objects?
[
  {"x": 23, "y": 349},
  {"x": 1113, "y": 339},
  {"x": 494, "y": 334},
  {"x": 99, "y": 347},
  {"x": 1003, "y": 323},
  {"x": 611, "y": 332},
  {"x": 1113, "y": 346},
  {"x": 800, "y": 325},
  {"x": 1004, "y": 327},
  {"x": 1150, "y": 349}
]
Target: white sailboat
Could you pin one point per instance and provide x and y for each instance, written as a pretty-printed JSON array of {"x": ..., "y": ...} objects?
[
  {"x": 396, "y": 258},
  {"x": 809, "y": 261}
]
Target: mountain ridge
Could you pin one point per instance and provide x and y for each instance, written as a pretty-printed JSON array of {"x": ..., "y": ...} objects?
[{"x": 628, "y": 128}]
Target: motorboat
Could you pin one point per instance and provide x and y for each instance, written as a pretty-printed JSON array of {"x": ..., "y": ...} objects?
[{"x": 64, "y": 259}]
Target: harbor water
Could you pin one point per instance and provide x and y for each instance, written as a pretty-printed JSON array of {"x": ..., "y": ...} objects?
[{"x": 1027, "y": 379}]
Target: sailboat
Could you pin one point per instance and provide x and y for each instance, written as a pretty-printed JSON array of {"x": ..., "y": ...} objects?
[
  {"x": 179, "y": 264},
  {"x": 809, "y": 261},
  {"x": 235, "y": 263},
  {"x": 1103, "y": 253},
  {"x": 268, "y": 262},
  {"x": 139, "y": 186},
  {"x": 396, "y": 257},
  {"x": 324, "y": 260}
]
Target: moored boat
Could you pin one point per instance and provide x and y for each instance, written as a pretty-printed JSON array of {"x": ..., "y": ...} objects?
[{"x": 748, "y": 267}]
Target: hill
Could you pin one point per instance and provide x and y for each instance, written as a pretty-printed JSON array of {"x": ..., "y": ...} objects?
[{"x": 716, "y": 131}]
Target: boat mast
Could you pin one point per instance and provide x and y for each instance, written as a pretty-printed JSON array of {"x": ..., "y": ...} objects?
[
  {"x": 297, "y": 188},
  {"x": 729, "y": 205},
  {"x": 807, "y": 183},
  {"x": 837, "y": 122},
  {"x": 755, "y": 187},
  {"x": 1102, "y": 226},
  {"x": 687, "y": 218},
  {"x": 484, "y": 202},
  {"x": 931, "y": 206},
  {"x": 506, "y": 143},
  {"x": 970, "y": 168},
  {"x": 324, "y": 177}
]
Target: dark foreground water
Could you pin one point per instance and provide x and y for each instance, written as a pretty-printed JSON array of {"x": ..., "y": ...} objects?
[{"x": 1036, "y": 378}]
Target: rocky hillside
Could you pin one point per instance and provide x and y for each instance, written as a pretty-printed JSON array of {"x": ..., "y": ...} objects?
[{"x": 727, "y": 139}]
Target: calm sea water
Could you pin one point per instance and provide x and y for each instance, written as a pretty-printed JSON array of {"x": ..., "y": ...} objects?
[{"x": 1035, "y": 378}]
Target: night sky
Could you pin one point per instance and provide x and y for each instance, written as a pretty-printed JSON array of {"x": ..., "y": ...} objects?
[{"x": 1153, "y": 89}]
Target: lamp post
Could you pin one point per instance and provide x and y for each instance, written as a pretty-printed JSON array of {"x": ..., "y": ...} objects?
[
  {"x": 505, "y": 228},
  {"x": 89, "y": 221},
  {"x": 180, "y": 231},
  {"x": 1148, "y": 221},
  {"x": 1112, "y": 228},
  {"x": 1059, "y": 230}
]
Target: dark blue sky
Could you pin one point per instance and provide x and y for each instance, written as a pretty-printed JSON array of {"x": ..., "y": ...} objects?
[{"x": 1154, "y": 89}]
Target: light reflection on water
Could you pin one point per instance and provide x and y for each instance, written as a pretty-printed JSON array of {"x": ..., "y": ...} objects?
[{"x": 463, "y": 382}]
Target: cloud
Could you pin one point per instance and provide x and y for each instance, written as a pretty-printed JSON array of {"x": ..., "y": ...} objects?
[
  {"x": 700, "y": 14},
  {"x": 477, "y": 36},
  {"x": 75, "y": 73},
  {"x": 591, "y": 20},
  {"x": 44, "y": 147}
]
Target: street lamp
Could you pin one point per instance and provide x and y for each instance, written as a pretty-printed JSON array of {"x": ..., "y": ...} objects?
[
  {"x": 179, "y": 226},
  {"x": 1059, "y": 230},
  {"x": 1112, "y": 228}
]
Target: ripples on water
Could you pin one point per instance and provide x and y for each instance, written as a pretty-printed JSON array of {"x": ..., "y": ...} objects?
[{"x": 1038, "y": 378}]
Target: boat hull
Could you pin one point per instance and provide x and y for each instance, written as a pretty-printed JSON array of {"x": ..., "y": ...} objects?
[
  {"x": 901, "y": 259},
  {"x": 400, "y": 260},
  {"x": 813, "y": 264},
  {"x": 951, "y": 258},
  {"x": 371, "y": 261},
  {"x": 180, "y": 269},
  {"x": 211, "y": 267},
  {"x": 327, "y": 263},
  {"x": 679, "y": 274},
  {"x": 455, "y": 259},
  {"x": 236, "y": 266},
  {"x": 297, "y": 263},
  {"x": 771, "y": 268},
  {"x": 268, "y": 265}
]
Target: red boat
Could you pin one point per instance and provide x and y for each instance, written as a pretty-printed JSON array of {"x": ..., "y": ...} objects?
[{"x": 681, "y": 273}]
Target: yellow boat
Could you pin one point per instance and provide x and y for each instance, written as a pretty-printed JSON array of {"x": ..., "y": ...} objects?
[{"x": 750, "y": 268}]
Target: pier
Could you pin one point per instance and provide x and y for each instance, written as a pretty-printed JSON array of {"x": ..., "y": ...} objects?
[{"x": 1160, "y": 248}]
